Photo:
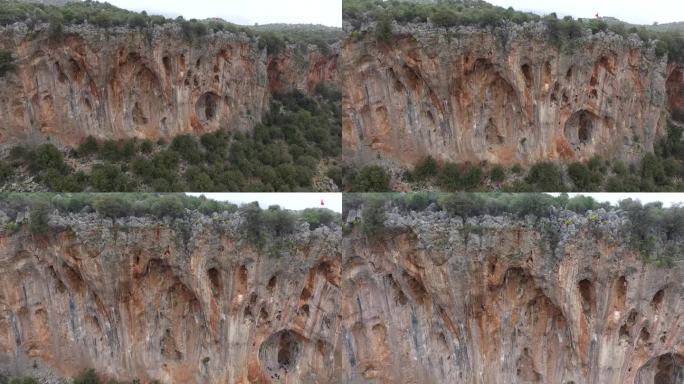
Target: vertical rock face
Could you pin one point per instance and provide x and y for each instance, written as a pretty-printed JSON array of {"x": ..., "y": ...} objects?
[
  {"x": 498, "y": 300},
  {"x": 495, "y": 300},
  {"x": 186, "y": 301},
  {"x": 501, "y": 96},
  {"x": 124, "y": 83}
]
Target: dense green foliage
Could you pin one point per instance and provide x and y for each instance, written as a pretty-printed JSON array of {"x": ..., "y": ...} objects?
[
  {"x": 281, "y": 154},
  {"x": 371, "y": 178},
  {"x": 38, "y": 224},
  {"x": 373, "y": 218},
  {"x": 654, "y": 231},
  {"x": 451, "y": 13},
  {"x": 661, "y": 171},
  {"x": 105, "y": 15},
  {"x": 258, "y": 225}
]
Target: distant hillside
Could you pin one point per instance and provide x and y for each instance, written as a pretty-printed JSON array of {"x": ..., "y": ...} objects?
[{"x": 48, "y": 2}]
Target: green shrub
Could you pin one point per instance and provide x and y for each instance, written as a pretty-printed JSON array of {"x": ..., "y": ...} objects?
[
  {"x": 462, "y": 204},
  {"x": 426, "y": 169},
  {"x": 23, "y": 380},
  {"x": 273, "y": 43},
  {"x": 652, "y": 170},
  {"x": 383, "y": 29},
  {"x": 6, "y": 63},
  {"x": 112, "y": 206},
  {"x": 545, "y": 176},
  {"x": 497, "y": 174},
  {"x": 472, "y": 178},
  {"x": 169, "y": 205},
  {"x": 252, "y": 224},
  {"x": 450, "y": 177},
  {"x": 87, "y": 377},
  {"x": 372, "y": 178},
  {"x": 581, "y": 204},
  {"x": 188, "y": 148},
  {"x": 88, "y": 147},
  {"x": 38, "y": 219},
  {"x": 279, "y": 221},
  {"x": 193, "y": 30},
  {"x": 146, "y": 146},
  {"x": 109, "y": 178},
  {"x": 47, "y": 156},
  {"x": 6, "y": 171},
  {"x": 373, "y": 219},
  {"x": 317, "y": 217},
  {"x": 580, "y": 176}
]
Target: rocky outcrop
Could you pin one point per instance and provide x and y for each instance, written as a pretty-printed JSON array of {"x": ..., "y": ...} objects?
[
  {"x": 182, "y": 301},
  {"x": 125, "y": 83},
  {"x": 505, "y": 95},
  {"x": 504, "y": 300}
]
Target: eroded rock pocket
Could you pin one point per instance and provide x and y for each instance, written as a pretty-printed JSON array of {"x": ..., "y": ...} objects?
[{"x": 280, "y": 352}]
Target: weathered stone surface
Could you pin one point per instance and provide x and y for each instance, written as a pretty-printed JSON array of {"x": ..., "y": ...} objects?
[
  {"x": 182, "y": 302},
  {"x": 124, "y": 83},
  {"x": 507, "y": 301},
  {"x": 499, "y": 300},
  {"x": 501, "y": 96}
]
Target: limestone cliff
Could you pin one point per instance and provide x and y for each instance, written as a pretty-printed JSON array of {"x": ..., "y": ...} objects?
[
  {"x": 434, "y": 300},
  {"x": 503, "y": 300},
  {"x": 183, "y": 301},
  {"x": 122, "y": 83},
  {"x": 506, "y": 95}
]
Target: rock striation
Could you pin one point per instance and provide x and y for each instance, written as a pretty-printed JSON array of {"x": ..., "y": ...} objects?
[
  {"x": 506, "y": 95},
  {"x": 436, "y": 299},
  {"x": 179, "y": 301},
  {"x": 123, "y": 83},
  {"x": 504, "y": 300}
]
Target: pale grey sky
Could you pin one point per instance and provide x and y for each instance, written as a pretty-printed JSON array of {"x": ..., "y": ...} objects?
[
  {"x": 294, "y": 201},
  {"x": 245, "y": 12},
  {"x": 668, "y": 199},
  {"x": 632, "y": 11}
]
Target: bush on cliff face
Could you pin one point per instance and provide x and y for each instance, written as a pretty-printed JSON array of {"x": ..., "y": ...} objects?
[
  {"x": 426, "y": 169},
  {"x": 6, "y": 62},
  {"x": 373, "y": 216},
  {"x": 372, "y": 178},
  {"x": 545, "y": 176},
  {"x": 87, "y": 377},
  {"x": 38, "y": 219},
  {"x": 317, "y": 217}
]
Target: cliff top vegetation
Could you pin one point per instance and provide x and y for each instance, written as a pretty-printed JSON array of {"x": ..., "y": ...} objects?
[
  {"x": 105, "y": 15},
  {"x": 657, "y": 232},
  {"x": 452, "y": 13},
  {"x": 258, "y": 223}
]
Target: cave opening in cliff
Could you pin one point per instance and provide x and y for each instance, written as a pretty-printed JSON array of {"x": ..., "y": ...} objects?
[
  {"x": 207, "y": 106},
  {"x": 579, "y": 128},
  {"x": 586, "y": 291},
  {"x": 664, "y": 369},
  {"x": 215, "y": 280},
  {"x": 280, "y": 351},
  {"x": 527, "y": 73}
]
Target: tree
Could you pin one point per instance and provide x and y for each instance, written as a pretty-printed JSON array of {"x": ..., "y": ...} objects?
[
  {"x": 373, "y": 216},
  {"x": 38, "y": 219}
]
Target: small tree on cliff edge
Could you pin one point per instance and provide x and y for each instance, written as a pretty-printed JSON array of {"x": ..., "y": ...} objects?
[
  {"x": 373, "y": 215},
  {"x": 39, "y": 219}
]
